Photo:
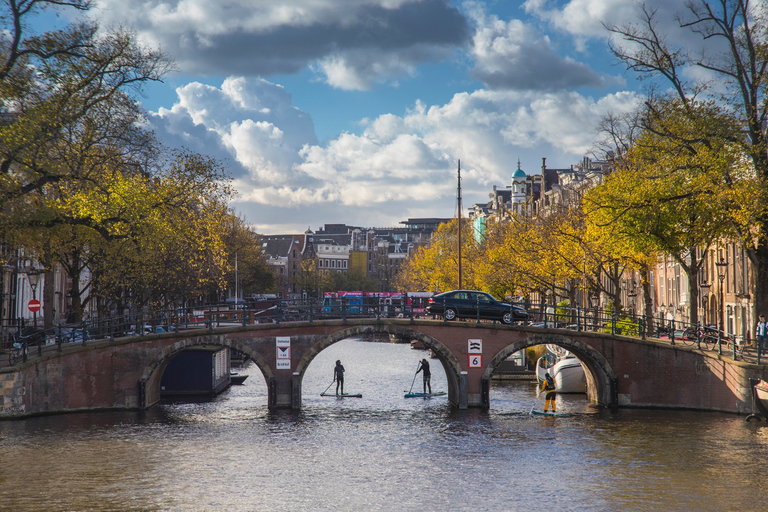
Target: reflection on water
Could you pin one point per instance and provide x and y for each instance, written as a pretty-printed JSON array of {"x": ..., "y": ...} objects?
[{"x": 382, "y": 452}]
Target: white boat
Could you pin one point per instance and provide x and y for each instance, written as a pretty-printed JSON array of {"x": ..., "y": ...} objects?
[
  {"x": 564, "y": 368},
  {"x": 761, "y": 390}
]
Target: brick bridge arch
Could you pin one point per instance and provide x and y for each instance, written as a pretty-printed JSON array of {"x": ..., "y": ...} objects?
[
  {"x": 601, "y": 378},
  {"x": 149, "y": 382},
  {"x": 451, "y": 365}
]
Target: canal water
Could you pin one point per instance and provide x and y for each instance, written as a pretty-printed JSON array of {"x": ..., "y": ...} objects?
[{"x": 382, "y": 452}]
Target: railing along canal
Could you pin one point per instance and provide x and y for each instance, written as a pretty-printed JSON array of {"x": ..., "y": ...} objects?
[{"x": 29, "y": 343}]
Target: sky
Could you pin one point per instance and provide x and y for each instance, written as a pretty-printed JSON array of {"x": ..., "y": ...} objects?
[{"x": 359, "y": 111}]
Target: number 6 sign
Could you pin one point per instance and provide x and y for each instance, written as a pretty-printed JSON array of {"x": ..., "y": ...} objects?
[{"x": 475, "y": 361}]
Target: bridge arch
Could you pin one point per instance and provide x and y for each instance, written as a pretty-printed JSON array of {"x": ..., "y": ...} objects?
[
  {"x": 601, "y": 378},
  {"x": 149, "y": 382},
  {"x": 451, "y": 366}
]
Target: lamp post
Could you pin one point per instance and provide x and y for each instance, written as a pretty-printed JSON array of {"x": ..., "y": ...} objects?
[
  {"x": 632, "y": 295},
  {"x": 722, "y": 266},
  {"x": 33, "y": 274},
  {"x": 704, "y": 287}
]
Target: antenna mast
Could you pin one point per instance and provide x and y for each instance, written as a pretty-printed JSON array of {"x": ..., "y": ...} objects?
[{"x": 458, "y": 195}]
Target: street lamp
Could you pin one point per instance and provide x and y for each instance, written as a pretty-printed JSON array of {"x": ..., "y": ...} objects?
[
  {"x": 33, "y": 274},
  {"x": 722, "y": 266},
  {"x": 704, "y": 287},
  {"x": 632, "y": 295}
]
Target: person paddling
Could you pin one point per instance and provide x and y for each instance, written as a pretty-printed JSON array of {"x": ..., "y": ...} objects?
[
  {"x": 424, "y": 367},
  {"x": 548, "y": 386},
  {"x": 338, "y": 376}
]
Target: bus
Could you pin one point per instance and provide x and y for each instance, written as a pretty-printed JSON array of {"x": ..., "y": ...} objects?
[{"x": 387, "y": 304}]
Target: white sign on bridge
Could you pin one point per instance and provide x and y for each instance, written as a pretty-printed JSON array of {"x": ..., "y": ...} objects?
[{"x": 283, "y": 344}]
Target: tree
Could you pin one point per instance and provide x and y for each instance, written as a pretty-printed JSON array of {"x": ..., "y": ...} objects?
[
  {"x": 735, "y": 33},
  {"x": 309, "y": 278},
  {"x": 669, "y": 192},
  {"x": 243, "y": 246},
  {"x": 161, "y": 238},
  {"x": 434, "y": 266},
  {"x": 65, "y": 87}
]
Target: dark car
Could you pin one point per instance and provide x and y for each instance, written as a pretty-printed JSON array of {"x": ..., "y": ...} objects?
[{"x": 474, "y": 304}]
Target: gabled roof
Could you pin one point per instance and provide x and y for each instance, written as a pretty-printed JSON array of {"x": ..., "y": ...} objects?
[{"x": 280, "y": 245}]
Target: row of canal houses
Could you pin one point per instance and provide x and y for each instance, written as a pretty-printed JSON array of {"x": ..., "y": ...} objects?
[
  {"x": 377, "y": 253},
  {"x": 725, "y": 281}
]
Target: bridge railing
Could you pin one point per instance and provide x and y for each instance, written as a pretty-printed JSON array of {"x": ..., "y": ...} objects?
[{"x": 27, "y": 343}]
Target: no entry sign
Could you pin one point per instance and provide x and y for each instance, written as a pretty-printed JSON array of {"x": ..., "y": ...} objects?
[{"x": 34, "y": 305}]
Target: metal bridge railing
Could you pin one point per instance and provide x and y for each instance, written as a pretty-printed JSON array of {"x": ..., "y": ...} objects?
[{"x": 29, "y": 343}]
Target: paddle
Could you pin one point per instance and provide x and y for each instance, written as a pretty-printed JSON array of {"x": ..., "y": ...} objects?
[
  {"x": 329, "y": 387},
  {"x": 414, "y": 376}
]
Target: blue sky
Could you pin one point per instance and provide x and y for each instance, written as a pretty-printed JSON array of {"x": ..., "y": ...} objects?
[{"x": 357, "y": 111}]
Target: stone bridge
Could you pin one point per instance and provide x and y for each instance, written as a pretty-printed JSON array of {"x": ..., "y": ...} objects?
[{"x": 125, "y": 373}]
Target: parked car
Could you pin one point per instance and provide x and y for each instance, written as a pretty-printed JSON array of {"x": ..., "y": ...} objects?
[{"x": 474, "y": 304}]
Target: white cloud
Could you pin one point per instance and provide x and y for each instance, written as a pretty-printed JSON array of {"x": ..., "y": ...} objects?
[
  {"x": 249, "y": 120},
  {"x": 514, "y": 55},
  {"x": 398, "y": 164}
]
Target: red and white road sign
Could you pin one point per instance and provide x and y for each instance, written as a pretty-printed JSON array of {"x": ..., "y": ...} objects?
[{"x": 34, "y": 305}]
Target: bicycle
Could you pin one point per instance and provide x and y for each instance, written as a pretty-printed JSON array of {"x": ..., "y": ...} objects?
[
  {"x": 688, "y": 336},
  {"x": 17, "y": 353}
]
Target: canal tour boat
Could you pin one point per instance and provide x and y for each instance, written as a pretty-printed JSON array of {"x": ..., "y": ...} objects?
[{"x": 566, "y": 370}]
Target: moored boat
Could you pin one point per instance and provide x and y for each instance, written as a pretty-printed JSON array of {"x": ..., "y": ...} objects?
[
  {"x": 761, "y": 390},
  {"x": 565, "y": 369},
  {"x": 236, "y": 378}
]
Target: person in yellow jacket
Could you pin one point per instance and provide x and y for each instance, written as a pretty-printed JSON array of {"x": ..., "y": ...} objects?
[{"x": 548, "y": 386}]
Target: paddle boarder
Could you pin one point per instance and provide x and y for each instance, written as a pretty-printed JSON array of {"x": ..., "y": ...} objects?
[
  {"x": 424, "y": 368},
  {"x": 548, "y": 386},
  {"x": 338, "y": 376}
]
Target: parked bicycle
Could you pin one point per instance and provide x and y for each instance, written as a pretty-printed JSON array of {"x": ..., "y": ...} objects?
[{"x": 17, "y": 353}]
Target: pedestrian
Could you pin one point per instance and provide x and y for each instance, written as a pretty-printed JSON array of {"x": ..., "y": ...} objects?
[
  {"x": 424, "y": 368},
  {"x": 548, "y": 386},
  {"x": 338, "y": 376},
  {"x": 761, "y": 332}
]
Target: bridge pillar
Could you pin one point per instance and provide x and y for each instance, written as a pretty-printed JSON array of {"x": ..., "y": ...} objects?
[
  {"x": 295, "y": 391},
  {"x": 463, "y": 391}
]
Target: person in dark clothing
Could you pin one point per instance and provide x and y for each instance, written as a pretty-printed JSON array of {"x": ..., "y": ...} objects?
[
  {"x": 548, "y": 386},
  {"x": 424, "y": 368},
  {"x": 761, "y": 333},
  {"x": 338, "y": 376}
]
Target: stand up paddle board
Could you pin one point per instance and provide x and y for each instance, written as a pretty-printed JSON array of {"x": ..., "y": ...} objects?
[
  {"x": 425, "y": 395},
  {"x": 344, "y": 395},
  {"x": 553, "y": 414}
]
